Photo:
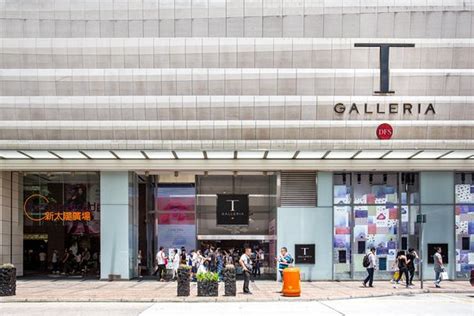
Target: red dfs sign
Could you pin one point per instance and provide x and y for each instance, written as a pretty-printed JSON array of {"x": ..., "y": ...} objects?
[{"x": 384, "y": 131}]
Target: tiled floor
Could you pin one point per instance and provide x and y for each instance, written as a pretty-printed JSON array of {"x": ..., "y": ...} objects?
[{"x": 153, "y": 291}]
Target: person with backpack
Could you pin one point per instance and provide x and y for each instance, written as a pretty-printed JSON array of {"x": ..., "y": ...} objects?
[
  {"x": 284, "y": 261},
  {"x": 370, "y": 262}
]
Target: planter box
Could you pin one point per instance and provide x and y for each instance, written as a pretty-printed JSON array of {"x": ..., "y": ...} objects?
[
  {"x": 184, "y": 285},
  {"x": 230, "y": 285},
  {"x": 208, "y": 288},
  {"x": 7, "y": 282}
]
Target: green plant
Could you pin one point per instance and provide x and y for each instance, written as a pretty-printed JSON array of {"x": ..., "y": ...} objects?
[
  {"x": 7, "y": 266},
  {"x": 207, "y": 277}
]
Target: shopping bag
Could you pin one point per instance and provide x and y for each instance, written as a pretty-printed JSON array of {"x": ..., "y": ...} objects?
[
  {"x": 444, "y": 275},
  {"x": 396, "y": 274}
]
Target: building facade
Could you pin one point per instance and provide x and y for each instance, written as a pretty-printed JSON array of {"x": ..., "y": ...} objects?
[{"x": 334, "y": 126}]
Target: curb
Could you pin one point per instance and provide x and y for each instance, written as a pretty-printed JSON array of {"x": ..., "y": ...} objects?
[{"x": 229, "y": 300}]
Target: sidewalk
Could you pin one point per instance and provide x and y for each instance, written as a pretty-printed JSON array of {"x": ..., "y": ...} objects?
[{"x": 61, "y": 290}]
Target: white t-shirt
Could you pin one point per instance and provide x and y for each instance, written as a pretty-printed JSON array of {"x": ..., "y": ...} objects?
[
  {"x": 160, "y": 257},
  {"x": 246, "y": 260},
  {"x": 42, "y": 256}
]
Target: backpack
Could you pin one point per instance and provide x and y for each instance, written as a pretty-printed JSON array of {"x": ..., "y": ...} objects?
[{"x": 366, "y": 261}]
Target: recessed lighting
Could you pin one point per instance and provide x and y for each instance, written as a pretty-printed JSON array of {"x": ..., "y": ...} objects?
[
  {"x": 129, "y": 154},
  {"x": 370, "y": 154},
  {"x": 39, "y": 154},
  {"x": 190, "y": 154},
  {"x": 159, "y": 154},
  {"x": 400, "y": 154},
  {"x": 311, "y": 154},
  {"x": 250, "y": 154},
  {"x": 429, "y": 154},
  {"x": 99, "y": 154},
  {"x": 12, "y": 154},
  {"x": 220, "y": 154},
  {"x": 69, "y": 154},
  {"x": 280, "y": 154},
  {"x": 459, "y": 154},
  {"x": 340, "y": 155}
]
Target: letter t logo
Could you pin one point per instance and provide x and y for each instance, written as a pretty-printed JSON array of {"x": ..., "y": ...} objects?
[{"x": 384, "y": 62}]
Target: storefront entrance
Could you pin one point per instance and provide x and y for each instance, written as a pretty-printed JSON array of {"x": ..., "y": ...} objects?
[{"x": 61, "y": 213}]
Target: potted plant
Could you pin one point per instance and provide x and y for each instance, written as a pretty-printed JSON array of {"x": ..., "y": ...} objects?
[
  {"x": 184, "y": 287},
  {"x": 7, "y": 279},
  {"x": 208, "y": 284},
  {"x": 230, "y": 285}
]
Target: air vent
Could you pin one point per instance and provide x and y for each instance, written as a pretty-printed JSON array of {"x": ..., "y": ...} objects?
[{"x": 298, "y": 189}]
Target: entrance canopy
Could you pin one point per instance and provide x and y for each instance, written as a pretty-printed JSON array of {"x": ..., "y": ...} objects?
[{"x": 383, "y": 159}]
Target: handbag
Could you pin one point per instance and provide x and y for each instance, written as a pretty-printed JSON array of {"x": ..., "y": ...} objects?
[{"x": 444, "y": 275}]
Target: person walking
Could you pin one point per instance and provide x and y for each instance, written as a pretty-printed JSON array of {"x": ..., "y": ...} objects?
[
  {"x": 370, "y": 262},
  {"x": 246, "y": 264},
  {"x": 55, "y": 262},
  {"x": 161, "y": 263},
  {"x": 175, "y": 263},
  {"x": 438, "y": 266},
  {"x": 402, "y": 268},
  {"x": 412, "y": 256},
  {"x": 284, "y": 261}
]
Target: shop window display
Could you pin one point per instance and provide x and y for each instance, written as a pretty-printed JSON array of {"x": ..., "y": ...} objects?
[
  {"x": 368, "y": 213},
  {"x": 464, "y": 221}
]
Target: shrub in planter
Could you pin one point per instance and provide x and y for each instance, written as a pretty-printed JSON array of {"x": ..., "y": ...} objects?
[
  {"x": 184, "y": 287},
  {"x": 7, "y": 279},
  {"x": 229, "y": 276},
  {"x": 208, "y": 284}
]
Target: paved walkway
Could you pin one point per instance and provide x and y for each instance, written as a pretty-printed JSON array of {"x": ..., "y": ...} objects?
[{"x": 60, "y": 290}]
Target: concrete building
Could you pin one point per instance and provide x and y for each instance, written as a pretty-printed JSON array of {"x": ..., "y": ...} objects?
[{"x": 126, "y": 125}]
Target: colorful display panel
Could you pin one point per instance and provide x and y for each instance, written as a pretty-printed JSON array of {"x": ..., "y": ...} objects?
[{"x": 464, "y": 228}]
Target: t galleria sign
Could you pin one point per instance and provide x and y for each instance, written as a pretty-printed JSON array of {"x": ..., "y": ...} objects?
[
  {"x": 390, "y": 108},
  {"x": 405, "y": 108}
]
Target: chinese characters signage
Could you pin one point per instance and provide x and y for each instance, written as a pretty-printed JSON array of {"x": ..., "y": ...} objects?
[{"x": 37, "y": 208}]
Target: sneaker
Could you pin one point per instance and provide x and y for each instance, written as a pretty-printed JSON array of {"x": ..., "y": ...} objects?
[{"x": 438, "y": 286}]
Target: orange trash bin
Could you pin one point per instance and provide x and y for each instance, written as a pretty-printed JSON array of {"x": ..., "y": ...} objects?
[{"x": 291, "y": 282}]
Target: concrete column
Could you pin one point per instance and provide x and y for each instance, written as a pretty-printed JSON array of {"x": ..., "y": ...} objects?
[
  {"x": 118, "y": 225},
  {"x": 437, "y": 199},
  {"x": 11, "y": 219}
]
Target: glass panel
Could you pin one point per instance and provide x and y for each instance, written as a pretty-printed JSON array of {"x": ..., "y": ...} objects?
[
  {"x": 342, "y": 188},
  {"x": 409, "y": 188},
  {"x": 342, "y": 242},
  {"x": 375, "y": 188}
]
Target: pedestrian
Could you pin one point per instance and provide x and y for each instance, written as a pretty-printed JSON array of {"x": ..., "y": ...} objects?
[
  {"x": 412, "y": 257},
  {"x": 402, "y": 268},
  {"x": 175, "y": 263},
  {"x": 219, "y": 262},
  {"x": 42, "y": 260},
  {"x": 370, "y": 262},
  {"x": 139, "y": 264},
  {"x": 258, "y": 263},
  {"x": 438, "y": 266},
  {"x": 284, "y": 261},
  {"x": 246, "y": 264},
  {"x": 161, "y": 264},
  {"x": 55, "y": 261}
]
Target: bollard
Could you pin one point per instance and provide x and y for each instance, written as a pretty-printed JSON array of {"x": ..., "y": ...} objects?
[{"x": 291, "y": 282}]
